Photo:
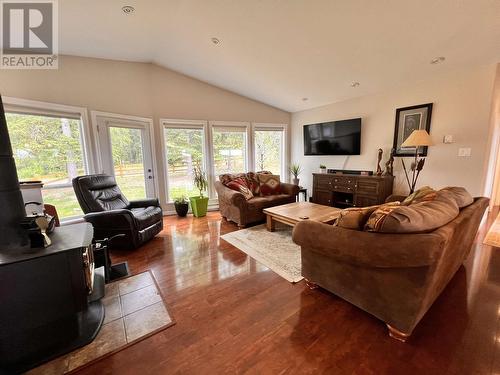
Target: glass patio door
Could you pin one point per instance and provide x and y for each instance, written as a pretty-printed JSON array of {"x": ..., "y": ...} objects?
[{"x": 126, "y": 153}]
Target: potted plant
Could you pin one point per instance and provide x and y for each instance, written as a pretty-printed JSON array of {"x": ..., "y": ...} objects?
[
  {"x": 199, "y": 204},
  {"x": 181, "y": 205},
  {"x": 322, "y": 168},
  {"x": 295, "y": 170}
]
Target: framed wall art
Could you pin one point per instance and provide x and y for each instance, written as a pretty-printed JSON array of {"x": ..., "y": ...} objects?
[{"x": 409, "y": 119}]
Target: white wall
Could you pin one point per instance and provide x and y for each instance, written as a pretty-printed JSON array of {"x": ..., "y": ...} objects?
[
  {"x": 462, "y": 102},
  {"x": 137, "y": 89}
]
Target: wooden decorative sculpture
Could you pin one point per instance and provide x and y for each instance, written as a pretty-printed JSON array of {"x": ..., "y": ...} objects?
[
  {"x": 389, "y": 165},
  {"x": 379, "y": 159}
]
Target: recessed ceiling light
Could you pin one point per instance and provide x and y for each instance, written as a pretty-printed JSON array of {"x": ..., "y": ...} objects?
[
  {"x": 437, "y": 60},
  {"x": 305, "y": 99},
  {"x": 215, "y": 40},
  {"x": 355, "y": 84},
  {"x": 128, "y": 9}
]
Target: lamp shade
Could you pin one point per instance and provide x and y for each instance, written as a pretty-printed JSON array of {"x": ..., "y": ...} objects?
[{"x": 418, "y": 138}]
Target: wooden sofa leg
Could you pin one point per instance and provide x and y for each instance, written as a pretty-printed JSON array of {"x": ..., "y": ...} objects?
[
  {"x": 311, "y": 285},
  {"x": 241, "y": 226},
  {"x": 397, "y": 334}
]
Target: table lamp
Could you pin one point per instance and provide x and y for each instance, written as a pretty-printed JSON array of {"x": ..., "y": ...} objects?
[{"x": 418, "y": 138}]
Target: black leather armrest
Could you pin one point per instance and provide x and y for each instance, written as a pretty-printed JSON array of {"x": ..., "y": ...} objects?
[
  {"x": 116, "y": 219},
  {"x": 148, "y": 202}
]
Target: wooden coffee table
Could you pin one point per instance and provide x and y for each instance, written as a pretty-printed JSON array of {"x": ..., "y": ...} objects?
[{"x": 292, "y": 213}]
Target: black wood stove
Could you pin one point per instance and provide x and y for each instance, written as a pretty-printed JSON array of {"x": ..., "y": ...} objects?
[{"x": 49, "y": 297}]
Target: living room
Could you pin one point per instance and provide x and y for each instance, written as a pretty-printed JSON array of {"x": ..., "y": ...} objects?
[{"x": 253, "y": 187}]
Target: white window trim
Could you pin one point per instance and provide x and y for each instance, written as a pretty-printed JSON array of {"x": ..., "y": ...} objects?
[
  {"x": 35, "y": 107},
  {"x": 249, "y": 148},
  {"x": 285, "y": 176},
  {"x": 53, "y": 109},
  {"x": 180, "y": 124},
  {"x": 109, "y": 116}
]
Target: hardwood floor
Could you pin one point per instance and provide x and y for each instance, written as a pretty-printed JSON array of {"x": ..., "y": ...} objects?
[{"x": 236, "y": 316}]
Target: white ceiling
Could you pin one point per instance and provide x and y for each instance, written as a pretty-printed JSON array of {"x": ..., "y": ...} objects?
[{"x": 279, "y": 51}]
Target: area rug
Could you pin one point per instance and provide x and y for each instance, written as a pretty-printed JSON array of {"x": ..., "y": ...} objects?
[
  {"x": 134, "y": 309},
  {"x": 275, "y": 250}
]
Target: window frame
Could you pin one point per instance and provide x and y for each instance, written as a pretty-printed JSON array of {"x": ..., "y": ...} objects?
[
  {"x": 264, "y": 126},
  {"x": 246, "y": 127},
  {"x": 181, "y": 124},
  {"x": 39, "y": 108}
]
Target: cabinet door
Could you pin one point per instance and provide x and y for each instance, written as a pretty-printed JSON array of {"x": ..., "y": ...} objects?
[
  {"x": 367, "y": 187},
  {"x": 323, "y": 197},
  {"x": 365, "y": 201},
  {"x": 323, "y": 182}
]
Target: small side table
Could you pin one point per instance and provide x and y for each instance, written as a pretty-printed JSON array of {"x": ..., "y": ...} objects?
[{"x": 303, "y": 191}]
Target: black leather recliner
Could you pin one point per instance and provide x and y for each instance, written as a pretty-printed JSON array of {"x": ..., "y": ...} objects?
[{"x": 111, "y": 213}]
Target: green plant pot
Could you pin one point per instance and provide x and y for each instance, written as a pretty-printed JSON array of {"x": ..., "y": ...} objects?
[{"x": 199, "y": 206}]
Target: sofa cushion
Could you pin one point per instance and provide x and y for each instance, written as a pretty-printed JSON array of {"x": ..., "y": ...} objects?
[
  {"x": 269, "y": 184},
  {"x": 425, "y": 193},
  {"x": 356, "y": 217},
  {"x": 415, "y": 218},
  {"x": 462, "y": 196},
  {"x": 259, "y": 203},
  {"x": 241, "y": 184},
  {"x": 146, "y": 216}
]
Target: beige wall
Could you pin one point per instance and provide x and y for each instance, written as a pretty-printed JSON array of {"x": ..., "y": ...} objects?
[
  {"x": 462, "y": 102},
  {"x": 137, "y": 89}
]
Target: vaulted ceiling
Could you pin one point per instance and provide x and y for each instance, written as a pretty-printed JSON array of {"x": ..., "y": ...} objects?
[{"x": 281, "y": 51}]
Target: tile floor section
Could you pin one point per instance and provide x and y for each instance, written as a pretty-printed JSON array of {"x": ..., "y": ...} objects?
[{"x": 133, "y": 309}]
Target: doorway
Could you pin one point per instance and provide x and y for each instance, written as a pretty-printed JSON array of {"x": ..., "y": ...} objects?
[{"x": 126, "y": 151}]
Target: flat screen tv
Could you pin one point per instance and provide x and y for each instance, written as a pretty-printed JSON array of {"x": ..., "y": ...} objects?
[{"x": 333, "y": 138}]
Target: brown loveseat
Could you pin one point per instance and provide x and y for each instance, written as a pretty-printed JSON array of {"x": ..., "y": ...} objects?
[
  {"x": 395, "y": 277},
  {"x": 235, "y": 207}
]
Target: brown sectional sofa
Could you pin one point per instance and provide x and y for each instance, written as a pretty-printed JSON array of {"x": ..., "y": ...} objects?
[
  {"x": 234, "y": 207},
  {"x": 395, "y": 277}
]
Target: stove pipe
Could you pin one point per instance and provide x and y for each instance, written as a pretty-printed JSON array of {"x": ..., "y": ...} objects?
[{"x": 12, "y": 236}]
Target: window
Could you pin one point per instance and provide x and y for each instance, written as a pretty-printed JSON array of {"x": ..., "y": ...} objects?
[
  {"x": 184, "y": 147},
  {"x": 229, "y": 149},
  {"x": 269, "y": 150},
  {"x": 49, "y": 148},
  {"x": 219, "y": 147}
]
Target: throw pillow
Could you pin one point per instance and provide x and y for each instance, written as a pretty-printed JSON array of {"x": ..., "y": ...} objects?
[
  {"x": 240, "y": 184},
  {"x": 253, "y": 183},
  {"x": 415, "y": 218},
  {"x": 425, "y": 193},
  {"x": 356, "y": 217},
  {"x": 462, "y": 196},
  {"x": 269, "y": 184}
]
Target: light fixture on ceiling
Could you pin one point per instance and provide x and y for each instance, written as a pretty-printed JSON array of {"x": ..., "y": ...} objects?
[
  {"x": 355, "y": 84},
  {"x": 215, "y": 41},
  {"x": 437, "y": 60},
  {"x": 128, "y": 9},
  {"x": 305, "y": 99}
]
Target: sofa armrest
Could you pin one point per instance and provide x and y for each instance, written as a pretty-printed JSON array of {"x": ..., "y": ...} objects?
[
  {"x": 367, "y": 248},
  {"x": 148, "y": 202},
  {"x": 395, "y": 198},
  {"x": 289, "y": 189},
  {"x": 229, "y": 195},
  {"x": 116, "y": 219}
]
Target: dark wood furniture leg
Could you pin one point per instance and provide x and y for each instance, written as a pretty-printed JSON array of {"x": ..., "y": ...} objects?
[{"x": 270, "y": 224}]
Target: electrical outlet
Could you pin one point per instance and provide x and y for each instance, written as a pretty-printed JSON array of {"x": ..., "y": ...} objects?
[
  {"x": 448, "y": 139},
  {"x": 464, "y": 152}
]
